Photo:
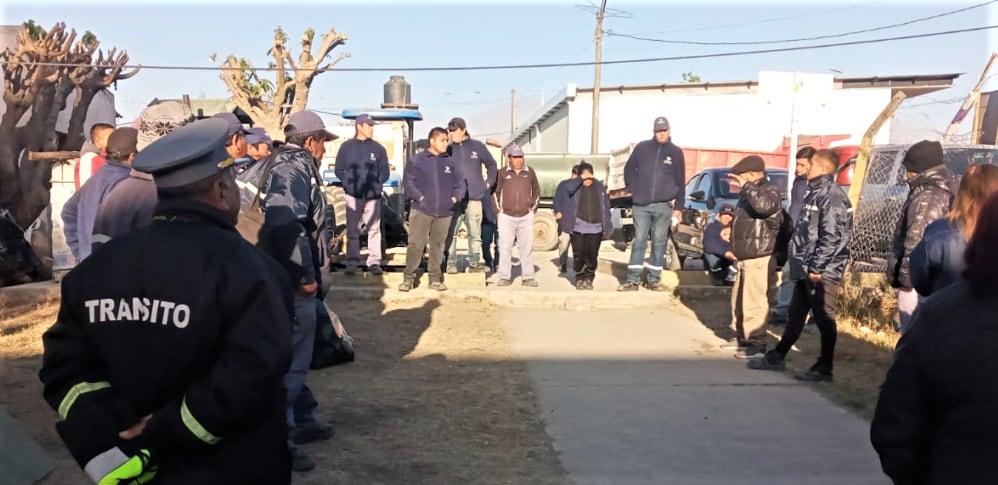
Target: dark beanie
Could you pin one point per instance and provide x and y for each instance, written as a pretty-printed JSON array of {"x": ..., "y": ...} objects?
[
  {"x": 751, "y": 163},
  {"x": 923, "y": 156}
]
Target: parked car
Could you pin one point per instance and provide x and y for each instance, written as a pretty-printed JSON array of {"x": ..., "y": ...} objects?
[{"x": 706, "y": 192}]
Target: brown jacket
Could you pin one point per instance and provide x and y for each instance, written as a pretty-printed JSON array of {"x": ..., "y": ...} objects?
[{"x": 517, "y": 194}]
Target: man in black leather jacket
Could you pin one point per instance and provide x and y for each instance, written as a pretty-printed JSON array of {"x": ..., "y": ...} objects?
[
  {"x": 754, "y": 231},
  {"x": 933, "y": 187}
]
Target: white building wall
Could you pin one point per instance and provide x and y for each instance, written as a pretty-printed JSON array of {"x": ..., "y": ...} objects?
[{"x": 747, "y": 121}]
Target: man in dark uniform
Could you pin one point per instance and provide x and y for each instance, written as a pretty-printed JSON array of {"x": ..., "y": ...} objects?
[{"x": 167, "y": 357}]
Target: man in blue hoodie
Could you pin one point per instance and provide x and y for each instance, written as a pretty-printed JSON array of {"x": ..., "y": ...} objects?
[
  {"x": 655, "y": 175},
  {"x": 80, "y": 211},
  {"x": 561, "y": 199},
  {"x": 362, "y": 167},
  {"x": 469, "y": 156},
  {"x": 433, "y": 184}
]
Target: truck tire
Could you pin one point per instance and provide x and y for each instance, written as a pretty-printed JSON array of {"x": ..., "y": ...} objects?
[{"x": 545, "y": 232}]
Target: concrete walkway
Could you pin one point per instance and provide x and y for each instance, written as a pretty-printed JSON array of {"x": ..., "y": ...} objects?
[{"x": 645, "y": 396}]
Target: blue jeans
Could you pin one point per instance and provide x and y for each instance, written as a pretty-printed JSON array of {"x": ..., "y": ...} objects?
[
  {"x": 649, "y": 220},
  {"x": 718, "y": 266},
  {"x": 470, "y": 215},
  {"x": 301, "y": 404}
]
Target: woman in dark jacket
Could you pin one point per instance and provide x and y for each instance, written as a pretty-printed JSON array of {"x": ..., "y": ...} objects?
[
  {"x": 586, "y": 216},
  {"x": 937, "y": 261},
  {"x": 935, "y": 421}
]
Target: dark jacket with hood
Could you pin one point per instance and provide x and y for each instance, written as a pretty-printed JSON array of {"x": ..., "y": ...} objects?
[
  {"x": 129, "y": 206},
  {"x": 935, "y": 422},
  {"x": 656, "y": 172},
  {"x": 469, "y": 156},
  {"x": 430, "y": 181},
  {"x": 756, "y": 225},
  {"x": 569, "y": 207},
  {"x": 930, "y": 197},
  {"x": 362, "y": 167},
  {"x": 937, "y": 261},
  {"x": 561, "y": 199},
  {"x": 820, "y": 243}
]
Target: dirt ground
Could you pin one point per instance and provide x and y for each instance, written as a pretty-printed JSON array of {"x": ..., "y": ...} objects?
[{"x": 434, "y": 397}]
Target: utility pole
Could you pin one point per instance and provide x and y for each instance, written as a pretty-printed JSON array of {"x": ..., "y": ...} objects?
[
  {"x": 970, "y": 102},
  {"x": 512, "y": 113},
  {"x": 791, "y": 157},
  {"x": 594, "y": 143}
]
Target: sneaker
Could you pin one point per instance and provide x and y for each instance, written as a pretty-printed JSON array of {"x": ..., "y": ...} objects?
[
  {"x": 654, "y": 286},
  {"x": 476, "y": 268},
  {"x": 504, "y": 283},
  {"x": 529, "y": 283},
  {"x": 815, "y": 375},
  {"x": 772, "y": 360},
  {"x": 628, "y": 286},
  {"x": 406, "y": 286},
  {"x": 300, "y": 462},
  {"x": 321, "y": 432},
  {"x": 733, "y": 344},
  {"x": 751, "y": 352},
  {"x": 350, "y": 271},
  {"x": 589, "y": 285},
  {"x": 580, "y": 285},
  {"x": 437, "y": 285},
  {"x": 451, "y": 269},
  {"x": 375, "y": 270}
]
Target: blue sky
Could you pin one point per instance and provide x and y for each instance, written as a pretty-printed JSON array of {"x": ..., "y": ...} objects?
[{"x": 410, "y": 33}]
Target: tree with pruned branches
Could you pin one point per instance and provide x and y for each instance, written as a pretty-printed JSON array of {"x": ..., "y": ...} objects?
[
  {"x": 39, "y": 73},
  {"x": 269, "y": 103}
]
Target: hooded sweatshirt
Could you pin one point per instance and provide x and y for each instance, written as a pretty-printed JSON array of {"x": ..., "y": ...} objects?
[
  {"x": 469, "y": 156},
  {"x": 656, "y": 172}
]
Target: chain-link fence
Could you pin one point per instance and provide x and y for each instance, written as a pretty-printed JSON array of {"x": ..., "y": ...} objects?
[{"x": 883, "y": 194}]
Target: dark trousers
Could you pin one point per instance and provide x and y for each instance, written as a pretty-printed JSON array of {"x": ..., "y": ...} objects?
[
  {"x": 490, "y": 244},
  {"x": 819, "y": 299},
  {"x": 585, "y": 254},
  {"x": 426, "y": 230}
]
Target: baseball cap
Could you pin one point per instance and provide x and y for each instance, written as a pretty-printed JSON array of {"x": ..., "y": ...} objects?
[
  {"x": 514, "y": 150},
  {"x": 457, "y": 123},
  {"x": 306, "y": 122},
  {"x": 726, "y": 209},
  {"x": 661, "y": 123},
  {"x": 364, "y": 119},
  {"x": 235, "y": 126},
  {"x": 257, "y": 135}
]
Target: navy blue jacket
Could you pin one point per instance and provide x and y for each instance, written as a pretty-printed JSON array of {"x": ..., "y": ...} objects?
[
  {"x": 937, "y": 261},
  {"x": 820, "y": 244},
  {"x": 571, "y": 204},
  {"x": 656, "y": 172},
  {"x": 80, "y": 211},
  {"x": 362, "y": 167},
  {"x": 430, "y": 181},
  {"x": 712, "y": 242},
  {"x": 561, "y": 199},
  {"x": 469, "y": 155},
  {"x": 489, "y": 210},
  {"x": 797, "y": 193},
  {"x": 130, "y": 205}
]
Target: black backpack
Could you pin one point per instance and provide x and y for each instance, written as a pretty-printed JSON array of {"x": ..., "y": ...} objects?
[{"x": 332, "y": 344}]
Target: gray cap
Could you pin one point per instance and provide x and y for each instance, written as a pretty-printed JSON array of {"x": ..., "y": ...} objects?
[
  {"x": 514, "y": 150},
  {"x": 189, "y": 154},
  {"x": 235, "y": 126},
  {"x": 257, "y": 135},
  {"x": 306, "y": 122},
  {"x": 661, "y": 124}
]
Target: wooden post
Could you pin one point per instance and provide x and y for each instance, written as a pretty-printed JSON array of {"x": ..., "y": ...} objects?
[
  {"x": 53, "y": 155},
  {"x": 975, "y": 135},
  {"x": 969, "y": 102},
  {"x": 859, "y": 171}
]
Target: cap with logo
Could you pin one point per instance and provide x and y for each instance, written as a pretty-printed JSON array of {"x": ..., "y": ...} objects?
[
  {"x": 364, "y": 119},
  {"x": 726, "y": 209},
  {"x": 514, "y": 150},
  {"x": 257, "y": 135},
  {"x": 306, "y": 122},
  {"x": 661, "y": 124},
  {"x": 457, "y": 123},
  {"x": 235, "y": 126},
  {"x": 189, "y": 154}
]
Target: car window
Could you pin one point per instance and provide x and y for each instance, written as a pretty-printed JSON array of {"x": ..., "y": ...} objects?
[
  {"x": 705, "y": 184},
  {"x": 691, "y": 185}
]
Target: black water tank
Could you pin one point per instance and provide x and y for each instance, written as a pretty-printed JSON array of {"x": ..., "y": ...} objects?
[{"x": 397, "y": 91}]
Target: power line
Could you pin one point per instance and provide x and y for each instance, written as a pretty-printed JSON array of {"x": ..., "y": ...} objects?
[
  {"x": 759, "y": 22},
  {"x": 563, "y": 64},
  {"x": 802, "y": 39}
]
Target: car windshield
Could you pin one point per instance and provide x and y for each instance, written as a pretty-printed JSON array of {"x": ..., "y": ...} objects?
[{"x": 727, "y": 188}]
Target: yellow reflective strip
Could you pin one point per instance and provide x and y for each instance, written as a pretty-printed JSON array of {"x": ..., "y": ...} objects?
[
  {"x": 77, "y": 391},
  {"x": 195, "y": 427}
]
